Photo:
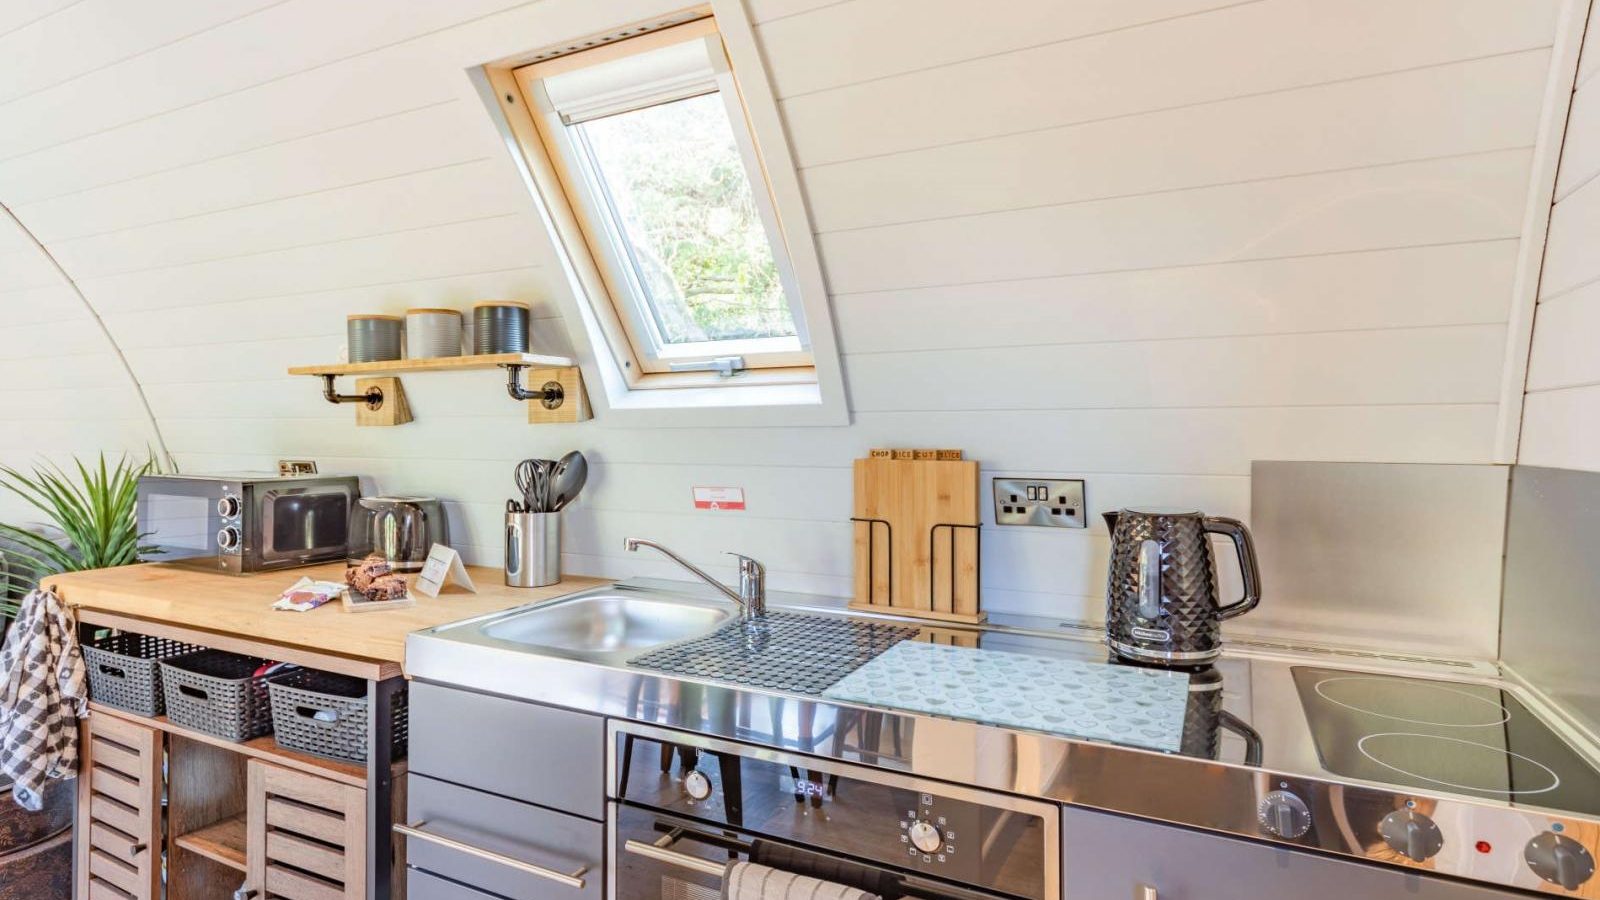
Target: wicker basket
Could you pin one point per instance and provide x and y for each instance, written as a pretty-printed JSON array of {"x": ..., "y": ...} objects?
[
  {"x": 125, "y": 671},
  {"x": 326, "y": 715},
  {"x": 217, "y": 693}
]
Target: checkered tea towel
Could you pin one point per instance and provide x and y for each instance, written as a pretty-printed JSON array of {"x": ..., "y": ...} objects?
[{"x": 43, "y": 693}]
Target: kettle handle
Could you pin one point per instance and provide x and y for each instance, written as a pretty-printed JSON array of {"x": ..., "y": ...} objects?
[{"x": 1246, "y": 548}]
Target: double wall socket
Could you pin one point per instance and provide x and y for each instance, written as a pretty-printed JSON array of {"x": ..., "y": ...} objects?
[{"x": 1053, "y": 502}]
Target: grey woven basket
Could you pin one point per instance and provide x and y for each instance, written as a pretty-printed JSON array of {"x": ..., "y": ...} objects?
[
  {"x": 125, "y": 670},
  {"x": 326, "y": 715},
  {"x": 217, "y": 693}
]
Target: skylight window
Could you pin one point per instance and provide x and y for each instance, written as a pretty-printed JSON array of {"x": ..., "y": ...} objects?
[{"x": 654, "y": 152}]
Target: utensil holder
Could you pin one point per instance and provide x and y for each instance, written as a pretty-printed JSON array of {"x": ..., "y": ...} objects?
[{"x": 533, "y": 549}]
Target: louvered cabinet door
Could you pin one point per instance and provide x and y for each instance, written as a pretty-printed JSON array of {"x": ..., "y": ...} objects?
[
  {"x": 306, "y": 836},
  {"x": 119, "y": 810}
]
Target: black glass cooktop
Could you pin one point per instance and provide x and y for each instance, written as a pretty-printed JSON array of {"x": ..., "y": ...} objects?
[{"x": 1442, "y": 736}]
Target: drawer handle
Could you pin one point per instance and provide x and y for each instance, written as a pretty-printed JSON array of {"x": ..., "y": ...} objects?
[
  {"x": 574, "y": 881},
  {"x": 660, "y": 853}
]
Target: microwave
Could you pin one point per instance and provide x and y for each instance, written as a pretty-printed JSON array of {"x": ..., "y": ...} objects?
[{"x": 240, "y": 524}]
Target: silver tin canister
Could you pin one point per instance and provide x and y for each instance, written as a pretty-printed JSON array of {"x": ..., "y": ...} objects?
[
  {"x": 500, "y": 326},
  {"x": 533, "y": 549},
  {"x": 433, "y": 333},
  {"x": 373, "y": 338}
]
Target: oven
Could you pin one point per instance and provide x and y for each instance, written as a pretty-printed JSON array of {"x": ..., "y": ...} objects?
[
  {"x": 244, "y": 523},
  {"x": 683, "y": 806}
]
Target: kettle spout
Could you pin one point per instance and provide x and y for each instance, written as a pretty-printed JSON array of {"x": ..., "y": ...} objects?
[{"x": 1111, "y": 521}]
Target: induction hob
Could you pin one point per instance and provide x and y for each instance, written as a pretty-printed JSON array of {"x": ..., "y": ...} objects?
[{"x": 1463, "y": 738}]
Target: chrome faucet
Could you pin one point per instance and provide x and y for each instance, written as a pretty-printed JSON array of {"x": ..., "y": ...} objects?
[{"x": 752, "y": 594}]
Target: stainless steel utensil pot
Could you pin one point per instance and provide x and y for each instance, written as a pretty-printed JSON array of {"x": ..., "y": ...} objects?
[
  {"x": 533, "y": 549},
  {"x": 1161, "y": 593}
]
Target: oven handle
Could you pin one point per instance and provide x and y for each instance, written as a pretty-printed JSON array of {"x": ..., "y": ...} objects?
[
  {"x": 574, "y": 880},
  {"x": 661, "y": 852}
]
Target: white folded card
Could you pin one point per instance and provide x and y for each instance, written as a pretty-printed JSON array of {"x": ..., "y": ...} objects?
[{"x": 444, "y": 565}]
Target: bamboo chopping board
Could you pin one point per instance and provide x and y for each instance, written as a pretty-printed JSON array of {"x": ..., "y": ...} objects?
[{"x": 905, "y": 566}]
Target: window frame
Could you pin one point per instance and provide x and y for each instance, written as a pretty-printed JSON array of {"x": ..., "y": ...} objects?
[{"x": 625, "y": 317}]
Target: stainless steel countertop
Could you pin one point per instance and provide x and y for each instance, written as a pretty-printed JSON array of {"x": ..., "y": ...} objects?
[{"x": 1220, "y": 794}]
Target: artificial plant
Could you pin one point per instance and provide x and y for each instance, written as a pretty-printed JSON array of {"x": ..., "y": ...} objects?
[{"x": 94, "y": 510}]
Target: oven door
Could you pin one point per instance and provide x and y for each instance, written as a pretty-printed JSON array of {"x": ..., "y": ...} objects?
[
  {"x": 658, "y": 855},
  {"x": 299, "y": 525}
]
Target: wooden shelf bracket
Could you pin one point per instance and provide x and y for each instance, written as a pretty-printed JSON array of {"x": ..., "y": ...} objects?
[
  {"x": 372, "y": 397},
  {"x": 550, "y": 395}
]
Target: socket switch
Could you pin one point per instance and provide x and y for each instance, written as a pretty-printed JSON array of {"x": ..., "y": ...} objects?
[{"x": 1053, "y": 502}]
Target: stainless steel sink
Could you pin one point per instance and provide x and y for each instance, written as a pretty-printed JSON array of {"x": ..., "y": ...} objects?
[{"x": 606, "y": 623}]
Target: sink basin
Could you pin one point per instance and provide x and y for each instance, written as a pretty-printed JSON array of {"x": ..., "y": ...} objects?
[{"x": 607, "y": 623}]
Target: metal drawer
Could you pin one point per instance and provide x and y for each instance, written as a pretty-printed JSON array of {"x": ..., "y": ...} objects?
[
  {"x": 540, "y": 754},
  {"x": 501, "y": 846}
]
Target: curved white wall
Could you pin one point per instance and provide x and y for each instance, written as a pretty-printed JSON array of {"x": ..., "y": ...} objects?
[{"x": 1142, "y": 243}]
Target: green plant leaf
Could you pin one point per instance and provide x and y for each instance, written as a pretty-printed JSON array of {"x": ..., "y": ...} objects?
[{"x": 94, "y": 506}]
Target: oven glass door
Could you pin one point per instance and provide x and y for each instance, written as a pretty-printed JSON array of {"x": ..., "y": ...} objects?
[
  {"x": 657, "y": 856},
  {"x": 179, "y": 517},
  {"x": 298, "y": 524}
]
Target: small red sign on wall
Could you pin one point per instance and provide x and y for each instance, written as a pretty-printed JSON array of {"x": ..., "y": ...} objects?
[{"x": 718, "y": 498}]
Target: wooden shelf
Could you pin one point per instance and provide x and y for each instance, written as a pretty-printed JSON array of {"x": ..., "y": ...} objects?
[
  {"x": 265, "y": 747},
  {"x": 222, "y": 842},
  {"x": 440, "y": 364}
]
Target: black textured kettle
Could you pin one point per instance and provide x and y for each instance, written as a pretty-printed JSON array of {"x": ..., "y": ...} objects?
[{"x": 1161, "y": 593}]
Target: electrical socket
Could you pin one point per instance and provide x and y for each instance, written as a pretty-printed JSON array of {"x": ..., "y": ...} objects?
[{"x": 1051, "y": 502}]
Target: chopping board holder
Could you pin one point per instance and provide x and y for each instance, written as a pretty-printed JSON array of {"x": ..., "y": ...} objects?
[
  {"x": 977, "y": 557},
  {"x": 872, "y": 545}
]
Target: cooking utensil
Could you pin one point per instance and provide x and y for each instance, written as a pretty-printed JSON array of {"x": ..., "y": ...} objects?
[
  {"x": 403, "y": 529},
  {"x": 1161, "y": 594},
  {"x": 916, "y": 538},
  {"x": 567, "y": 479}
]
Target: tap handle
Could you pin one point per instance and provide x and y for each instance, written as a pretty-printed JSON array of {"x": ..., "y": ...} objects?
[{"x": 747, "y": 565}]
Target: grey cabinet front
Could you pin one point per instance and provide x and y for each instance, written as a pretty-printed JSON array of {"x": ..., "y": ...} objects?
[
  {"x": 1108, "y": 857},
  {"x": 500, "y": 846},
  {"x": 422, "y": 886},
  {"x": 539, "y": 754}
]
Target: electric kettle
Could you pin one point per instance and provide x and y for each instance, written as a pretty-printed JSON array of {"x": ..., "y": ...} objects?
[{"x": 1161, "y": 593}]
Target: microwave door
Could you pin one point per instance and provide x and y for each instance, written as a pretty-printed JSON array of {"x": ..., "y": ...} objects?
[
  {"x": 298, "y": 524},
  {"x": 179, "y": 519}
]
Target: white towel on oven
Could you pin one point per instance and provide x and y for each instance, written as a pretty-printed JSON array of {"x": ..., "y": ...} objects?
[
  {"x": 749, "y": 881},
  {"x": 42, "y": 696}
]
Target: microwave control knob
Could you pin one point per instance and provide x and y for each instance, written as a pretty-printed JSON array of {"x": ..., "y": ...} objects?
[
  {"x": 1411, "y": 833},
  {"x": 228, "y": 506},
  {"x": 1559, "y": 859},
  {"x": 228, "y": 538},
  {"x": 697, "y": 786},
  {"x": 1284, "y": 815},
  {"x": 925, "y": 837}
]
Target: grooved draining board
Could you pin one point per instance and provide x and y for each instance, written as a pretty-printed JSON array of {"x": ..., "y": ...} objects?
[{"x": 1098, "y": 701}]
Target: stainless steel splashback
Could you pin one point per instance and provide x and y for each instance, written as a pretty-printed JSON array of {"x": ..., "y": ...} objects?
[
  {"x": 1383, "y": 556},
  {"x": 1550, "y": 619}
]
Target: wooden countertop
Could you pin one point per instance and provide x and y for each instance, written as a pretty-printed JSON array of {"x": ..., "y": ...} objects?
[{"x": 234, "y": 612}]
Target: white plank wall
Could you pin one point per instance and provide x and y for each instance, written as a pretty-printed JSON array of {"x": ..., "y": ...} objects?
[
  {"x": 1141, "y": 243},
  {"x": 1561, "y": 424}
]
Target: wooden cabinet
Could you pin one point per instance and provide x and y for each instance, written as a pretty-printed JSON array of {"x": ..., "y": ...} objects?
[
  {"x": 305, "y": 837},
  {"x": 119, "y": 811}
]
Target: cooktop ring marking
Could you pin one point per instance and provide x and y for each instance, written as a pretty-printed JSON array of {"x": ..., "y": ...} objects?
[
  {"x": 1555, "y": 780},
  {"x": 1505, "y": 714}
]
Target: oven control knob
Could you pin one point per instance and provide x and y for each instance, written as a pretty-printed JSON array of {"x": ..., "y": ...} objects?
[
  {"x": 1284, "y": 815},
  {"x": 228, "y": 506},
  {"x": 697, "y": 786},
  {"x": 925, "y": 837},
  {"x": 228, "y": 538},
  {"x": 1412, "y": 834},
  {"x": 1559, "y": 859}
]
